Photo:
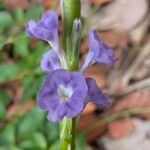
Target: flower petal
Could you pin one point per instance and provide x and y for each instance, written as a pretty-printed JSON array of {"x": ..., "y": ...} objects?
[
  {"x": 75, "y": 105},
  {"x": 45, "y": 29},
  {"x": 95, "y": 95},
  {"x": 39, "y": 32},
  {"x": 94, "y": 42},
  {"x": 62, "y": 105},
  {"x": 107, "y": 57},
  {"x": 77, "y": 101},
  {"x": 98, "y": 52},
  {"x": 50, "y": 61},
  {"x": 102, "y": 53},
  {"x": 57, "y": 114},
  {"x": 47, "y": 99},
  {"x": 87, "y": 61},
  {"x": 49, "y": 20}
]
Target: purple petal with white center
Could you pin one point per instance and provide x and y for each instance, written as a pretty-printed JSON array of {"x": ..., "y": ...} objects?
[
  {"x": 63, "y": 94},
  {"x": 95, "y": 95},
  {"x": 58, "y": 113},
  {"x": 98, "y": 52},
  {"x": 43, "y": 97},
  {"x": 45, "y": 29},
  {"x": 77, "y": 100},
  {"x": 50, "y": 61}
]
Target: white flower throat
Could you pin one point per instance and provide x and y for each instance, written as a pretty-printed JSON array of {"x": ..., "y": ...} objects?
[{"x": 64, "y": 92}]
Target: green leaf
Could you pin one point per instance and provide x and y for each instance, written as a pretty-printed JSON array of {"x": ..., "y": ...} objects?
[
  {"x": 52, "y": 131},
  {"x": 19, "y": 15},
  {"x": 4, "y": 98},
  {"x": 80, "y": 142},
  {"x": 3, "y": 148},
  {"x": 37, "y": 51},
  {"x": 5, "y": 19},
  {"x": 2, "y": 39},
  {"x": 2, "y": 6},
  {"x": 15, "y": 148},
  {"x": 34, "y": 12},
  {"x": 54, "y": 146},
  {"x": 32, "y": 87},
  {"x": 8, "y": 71},
  {"x": 7, "y": 135},
  {"x": 10, "y": 148},
  {"x": 32, "y": 61},
  {"x": 39, "y": 140},
  {"x": 31, "y": 122},
  {"x": 2, "y": 111},
  {"x": 26, "y": 144},
  {"x": 21, "y": 46}
]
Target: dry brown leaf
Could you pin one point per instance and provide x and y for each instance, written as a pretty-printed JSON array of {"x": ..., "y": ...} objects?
[
  {"x": 15, "y": 89},
  {"x": 114, "y": 38},
  {"x": 85, "y": 122},
  {"x": 18, "y": 109},
  {"x": 26, "y": 107},
  {"x": 120, "y": 14},
  {"x": 120, "y": 128},
  {"x": 13, "y": 110},
  {"x": 138, "y": 35},
  {"x": 47, "y": 4},
  {"x": 90, "y": 107},
  {"x": 12, "y": 4},
  {"x": 85, "y": 7},
  {"x": 143, "y": 55},
  {"x": 140, "y": 98},
  {"x": 99, "y": 72},
  {"x": 99, "y": 2}
]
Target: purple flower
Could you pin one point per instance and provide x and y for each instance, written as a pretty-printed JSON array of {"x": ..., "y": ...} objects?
[
  {"x": 95, "y": 95},
  {"x": 63, "y": 94},
  {"x": 50, "y": 61},
  {"x": 45, "y": 29},
  {"x": 98, "y": 51}
]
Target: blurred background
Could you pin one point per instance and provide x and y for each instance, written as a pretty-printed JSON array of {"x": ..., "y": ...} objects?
[{"x": 124, "y": 125}]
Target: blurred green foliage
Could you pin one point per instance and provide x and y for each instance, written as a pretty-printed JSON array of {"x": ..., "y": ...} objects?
[
  {"x": 32, "y": 132},
  {"x": 19, "y": 61}
]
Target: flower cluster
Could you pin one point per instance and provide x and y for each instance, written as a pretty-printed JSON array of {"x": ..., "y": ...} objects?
[{"x": 65, "y": 93}]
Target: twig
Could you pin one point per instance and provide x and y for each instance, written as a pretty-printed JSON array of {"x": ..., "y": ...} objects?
[
  {"x": 126, "y": 72},
  {"x": 143, "y": 53},
  {"x": 118, "y": 115},
  {"x": 139, "y": 85}
]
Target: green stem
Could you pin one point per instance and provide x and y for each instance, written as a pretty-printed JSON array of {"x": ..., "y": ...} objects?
[
  {"x": 70, "y": 11},
  {"x": 68, "y": 47},
  {"x": 67, "y": 134},
  {"x": 64, "y": 144},
  {"x": 73, "y": 133}
]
